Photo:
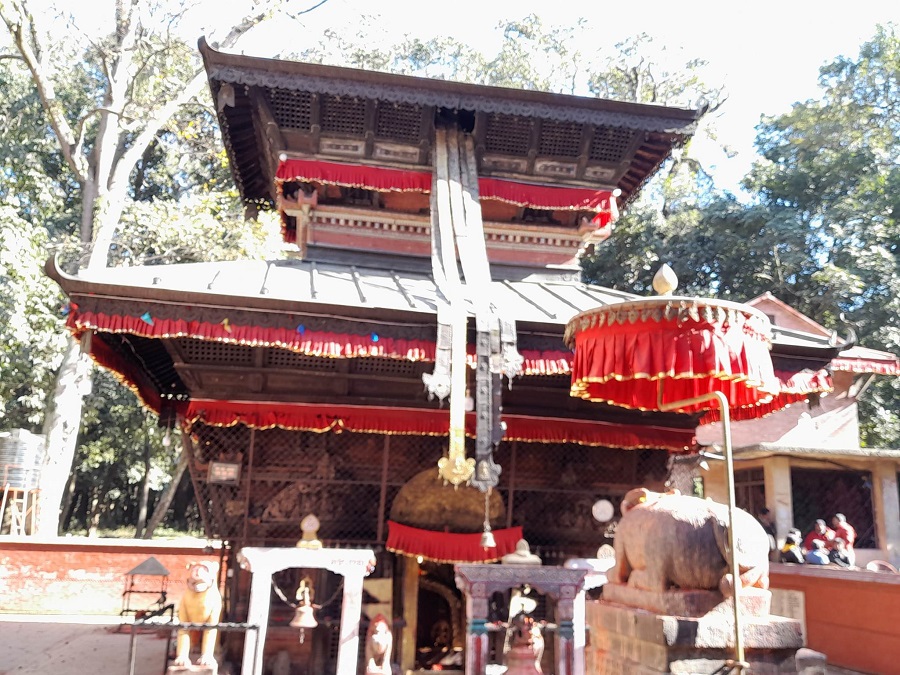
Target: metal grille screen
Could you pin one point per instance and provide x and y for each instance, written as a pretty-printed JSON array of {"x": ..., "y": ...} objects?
[
  {"x": 350, "y": 481},
  {"x": 819, "y": 493}
]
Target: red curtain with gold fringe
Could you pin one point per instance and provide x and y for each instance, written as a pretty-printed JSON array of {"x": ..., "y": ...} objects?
[{"x": 449, "y": 547}]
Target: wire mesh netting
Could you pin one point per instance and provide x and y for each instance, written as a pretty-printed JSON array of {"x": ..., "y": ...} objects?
[
  {"x": 750, "y": 489},
  {"x": 350, "y": 481},
  {"x": 821, "y": 493}
]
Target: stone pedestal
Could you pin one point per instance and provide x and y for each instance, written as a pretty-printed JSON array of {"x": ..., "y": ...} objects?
[
  {"x": 192, "y": 670},
  {"x": 635, "y": 641}
]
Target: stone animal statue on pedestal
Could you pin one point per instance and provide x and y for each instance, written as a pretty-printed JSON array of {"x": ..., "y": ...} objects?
[
  {"x": 379, "y": 642},
  {"x": 201, "y": 603},
  {"x": 666, "y": 541}
]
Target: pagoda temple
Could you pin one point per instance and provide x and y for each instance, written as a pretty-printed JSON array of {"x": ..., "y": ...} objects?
[{"x": 418, "y": 320}]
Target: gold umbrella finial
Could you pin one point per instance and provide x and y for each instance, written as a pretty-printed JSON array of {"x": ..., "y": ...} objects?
[{"x": 665, "y": 280}]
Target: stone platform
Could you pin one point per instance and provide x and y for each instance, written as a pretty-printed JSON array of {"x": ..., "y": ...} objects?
[
  {"x": 692, "y": 603},
  {"x": 635, "y": 641},
  {"x": 192, "y": 670}
]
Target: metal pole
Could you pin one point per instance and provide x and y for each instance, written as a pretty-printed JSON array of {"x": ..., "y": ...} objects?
[
  {"x": 738, "y": 664},
  {"x": 132, "y": 652}
]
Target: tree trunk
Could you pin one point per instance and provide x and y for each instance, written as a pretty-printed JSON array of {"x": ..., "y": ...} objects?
[
  {"x": 67, "y": 506},
  {"x": 165, "y": 499},
  {"x": 61, "y": 425},
  {"x": 145, "y": 491},
  {"x": 93, "y": 514}
]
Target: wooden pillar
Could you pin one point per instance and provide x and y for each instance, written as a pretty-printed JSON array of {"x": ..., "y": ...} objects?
[
  {"x": 886, "y": 503},
  {"x": 351, "y": 608},
  {"x": 779, "y": 495},
  {"x": 410, "y": 613},
  {"x": 566, "y": 644},
  {"x": 477, "y": 646},
  {"x": 258, "y": 614},
  {"x": 579, "y": 630}
]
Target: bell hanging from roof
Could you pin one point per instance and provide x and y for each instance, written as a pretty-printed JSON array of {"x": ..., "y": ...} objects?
[{"x": 487, "y": 537}]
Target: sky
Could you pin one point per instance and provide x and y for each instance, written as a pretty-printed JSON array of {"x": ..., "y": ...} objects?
[{"x": 766, "y": 53}]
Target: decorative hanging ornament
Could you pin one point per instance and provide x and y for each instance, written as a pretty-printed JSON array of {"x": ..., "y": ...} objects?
[
  {"x": 226, "y": 324},
  {"x": 304, "y": 614},
  {"x": 375, "y": 337},
  {"x": 69, "y": 309},
  {"x": 147, "y": 319},
  {"x": 487, "y": 537},
  {"x": 301, "y": 329}
]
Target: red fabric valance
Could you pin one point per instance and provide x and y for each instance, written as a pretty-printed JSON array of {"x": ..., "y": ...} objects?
[
  {"x": 411, "y": 421},
  {"x": 862, "y": 366},
  {"x": 794, "y": 387},
  {"x": 804, "y": 381},
  {"x": 309, "y": 343},
  {"x": 399, "y": 180},
  {"x": 126, "y": 374},
  {"x": 687, "y": 348},
  {"x": 449, "y": 547},
  {"x": 353, "y": 175}
]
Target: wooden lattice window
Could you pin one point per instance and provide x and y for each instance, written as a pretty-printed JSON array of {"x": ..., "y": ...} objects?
[
  {"x": 343, "y": 115},
  {"x": 389, "y": 367},
  {"x": 291, "y": 109},
  {"x": 400, "y": 121},
  {"x": 204, "y": 351},
  {"x": 560, "y": 139},
  {"x": 282, "y": 358},
  {"x": 610, "y": 144},
  {"x": 508, "y": 135}
]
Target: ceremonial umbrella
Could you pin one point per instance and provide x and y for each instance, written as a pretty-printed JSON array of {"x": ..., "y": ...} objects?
[{"x": 691, "y": 355}]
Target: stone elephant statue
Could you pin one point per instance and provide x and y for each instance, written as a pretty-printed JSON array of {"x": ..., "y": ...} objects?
[{"x": 671, "y": 540}]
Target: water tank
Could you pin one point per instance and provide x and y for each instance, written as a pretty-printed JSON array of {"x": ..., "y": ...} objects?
[{"x": 21, "y": 458}]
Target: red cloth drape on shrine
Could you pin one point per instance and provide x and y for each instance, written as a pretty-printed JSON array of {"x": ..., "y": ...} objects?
[
  {"x": 400, "y": 180},
  {"x": 636, "y": 354},
  {"x": 409, "y": 421},
  {"x": 449, "y": 547}
]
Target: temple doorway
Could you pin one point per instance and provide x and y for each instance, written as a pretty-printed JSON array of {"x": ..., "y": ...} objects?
[{"x": 440, "y": 631}]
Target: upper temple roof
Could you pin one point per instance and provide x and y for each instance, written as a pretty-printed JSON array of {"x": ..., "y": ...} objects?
[{"x": 271, "y": 108}]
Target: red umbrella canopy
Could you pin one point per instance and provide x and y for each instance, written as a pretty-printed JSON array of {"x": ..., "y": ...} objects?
[{"x": 646, "y": 353}]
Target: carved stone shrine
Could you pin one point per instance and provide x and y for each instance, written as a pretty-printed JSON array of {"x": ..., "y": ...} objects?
[
  {"x": 565, "y": 586},
  {"x": 353, "y": 565}
]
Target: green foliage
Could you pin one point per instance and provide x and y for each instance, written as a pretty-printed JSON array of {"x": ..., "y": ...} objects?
[
  {"x": 32, "y": 323},
  {"x": 117, "y": 438},
  {"x": 200, "y": 227},
  {"x": 836, "y": 161},
  {"x": 37, "y": 183},
  {"x": 823, "y": 234},
  {"x": 635, "y": 72}
]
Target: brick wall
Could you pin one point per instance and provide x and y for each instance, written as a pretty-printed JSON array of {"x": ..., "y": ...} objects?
[
  {"x": 87, "y": 576},
  {"x": 852, "y": 616}
]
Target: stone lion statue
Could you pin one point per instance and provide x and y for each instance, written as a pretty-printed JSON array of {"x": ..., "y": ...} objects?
[
  {"x": 379, "y": 642},
  {"x": 201, "y": 603},
  {"x": 670, "y": 540}
]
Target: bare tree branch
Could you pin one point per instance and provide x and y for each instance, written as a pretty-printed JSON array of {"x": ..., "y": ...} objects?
[
  {"x": 162, "y": 115},
  {"x": 19, "y": 22}
]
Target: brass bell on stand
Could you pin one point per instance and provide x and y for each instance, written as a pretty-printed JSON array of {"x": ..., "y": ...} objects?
[{"x": 304, "y": 616}]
